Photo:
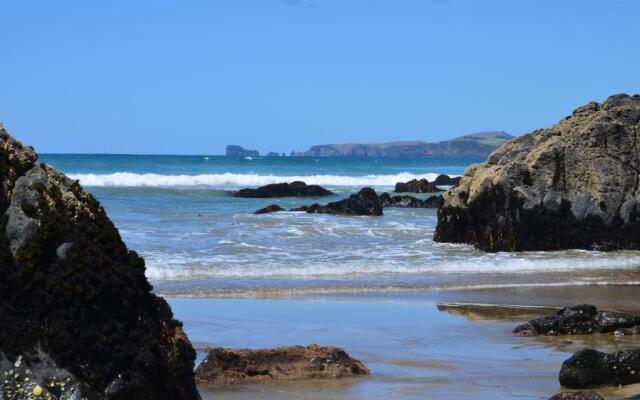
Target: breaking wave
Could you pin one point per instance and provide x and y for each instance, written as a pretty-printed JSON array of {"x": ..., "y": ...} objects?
[{"x": 128, "y": 179}]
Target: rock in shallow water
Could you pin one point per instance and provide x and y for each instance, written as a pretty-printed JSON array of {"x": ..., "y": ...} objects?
[
  {"x": 577, "y": 396},
  {"x": 583, "y": 319},
  {"x": 293, "y": 189},
  {"x": 232, "y": 366},
  {"x": 574, "y": 185},
  {"x": 417, "y": 186},
  {"x": 269, "y": 209},
  {"x": 75, "y": 305},
  {"x": 590, "y": 368},
  {"x": 365, "y": 202}
]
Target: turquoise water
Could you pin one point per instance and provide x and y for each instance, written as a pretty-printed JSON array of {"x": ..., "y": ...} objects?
[{"x": 198, "y": 240}]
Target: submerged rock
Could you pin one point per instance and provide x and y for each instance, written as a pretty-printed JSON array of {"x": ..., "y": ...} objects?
[
  {"x": 76, "y": 310},
  {"x": 410, "y": 201},
  {"x": 365, "y": 202},
  {"x": 232, "y": 366},
  {"x": 574, "y": 185},
  {"x": 577, "y": 396},
  {"x": 293, "y": 189},
  {"x": 581, "y": 320},
  {"x": 416, "y": 186},
  {"x": 590, "y": 368},
  {"x": 269, "y": 209}
]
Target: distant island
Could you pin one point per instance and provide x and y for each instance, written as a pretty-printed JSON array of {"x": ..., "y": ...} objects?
[
  {"x": 473, "y": 145},
  {"x": 239, "y": 151}
]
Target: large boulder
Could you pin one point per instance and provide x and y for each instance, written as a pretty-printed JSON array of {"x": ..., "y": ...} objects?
[
  {"x": 293, "y": 189},
  {"x": 591, "y": 368},
  {"x": 574, "y": 185},
  {"x": 365, "y": 202},
  {"x": 583, "y": 319},
  {"x": 232, "y": 366},
  {"x": 77, "y": 315}
]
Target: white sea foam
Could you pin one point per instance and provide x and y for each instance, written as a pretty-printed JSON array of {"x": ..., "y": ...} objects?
[
  {"x": 183, "y": 266},
  {"x": 128, "y": 179}
]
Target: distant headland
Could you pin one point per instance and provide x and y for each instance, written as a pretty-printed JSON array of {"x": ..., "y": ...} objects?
[{"x": 479, "y": 144}]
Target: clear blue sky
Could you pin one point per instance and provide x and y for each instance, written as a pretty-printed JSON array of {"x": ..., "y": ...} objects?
[{"x": 192, "y": 76}]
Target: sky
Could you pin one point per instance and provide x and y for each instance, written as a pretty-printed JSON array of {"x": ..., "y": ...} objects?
[{"x": 191, "y": 76}]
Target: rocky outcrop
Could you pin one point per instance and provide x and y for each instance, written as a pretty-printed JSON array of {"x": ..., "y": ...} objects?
[
  {"x": 269, "y": 209},
  {"x": 581, "y": 320},
  {"x": 293, "y": 189},
  {"x": 590, "y": 368},
  {"x": 365, "y": 202},
  {"x": 409, "y": 201},
  {"x": 229, "y": 366},
  {"x": 238, "y": 151},
  {"x": 416, "y": 186},
  {"x": 446, "y": 180},
  {"x": 77, "y": 314},
  {"x": 577, "y": 396},
  {"x": 574, "y": 185}
]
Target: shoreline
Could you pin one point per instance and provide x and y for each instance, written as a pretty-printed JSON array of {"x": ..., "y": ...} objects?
[{"x": 417, "y": 345}]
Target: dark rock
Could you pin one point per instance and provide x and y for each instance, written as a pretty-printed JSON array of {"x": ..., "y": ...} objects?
[
  {"x": 409, "y": 201},
  {"x": 446, "y": 180},
  {"x": 229, "y": 366},
  {"x": 416, "y": 186},
  {"x": 75, "y": 305},
  {"x": 590, "y": 368},
  {"x": 573, "y": 185},
  {"x": 365, "y": 202},
  {"x": 273, "y": 154},
  {"x": 238, "y": 151},
  {"x": 577, "y": 396},
  {"x": 581, "y": 320},
  {"x": 269, "y": 209},
  {"x": 293, "y": 189}
]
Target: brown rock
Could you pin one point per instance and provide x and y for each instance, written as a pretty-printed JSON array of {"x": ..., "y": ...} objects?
[
  {"x": 571, "y": 186},
  {"x": 232, "y": 366}
]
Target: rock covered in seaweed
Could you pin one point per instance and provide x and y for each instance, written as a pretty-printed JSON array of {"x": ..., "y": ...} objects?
[
  {"x": 232, "y": 366},
  {"x": 416, "y": 186},
  {"x": 410, "y": 201},
  {"x": 577, "y": 396},
  {"x": 75, "y": 303},
  {"x": 574, "y": 185},
  {"x": 583, "y": 319},
  {"x": 293, "y": 189},
  {"x": 365, "y": 202},
  {"x": 269, "y": 209},
  {"x": 589, "y": 368}
]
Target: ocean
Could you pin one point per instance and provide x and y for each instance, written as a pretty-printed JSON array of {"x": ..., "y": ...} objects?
[{"x": 199, "y": 241}]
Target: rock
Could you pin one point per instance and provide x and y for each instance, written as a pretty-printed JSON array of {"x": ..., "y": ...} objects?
[
  {"x": 273, "y": 154},
  {"x": 365, "y": 202},
  {"x": 238, "y": 151},
  {"x": 409, "y": 201},
  {"x": 577, "y": 396},
  {"x": 76, "y": 307},
  {"x": 230, "y": 366},
  {"x": 293, "y": 189},
  {"x": 446, "y": 180},
  {"x": 269, "y": 209},
  {"x": 574, "y": 185},
  {"x": 581, "y": 320},
  {"x": 590, "y": 368},
  {"x": 416, "y": 186}
]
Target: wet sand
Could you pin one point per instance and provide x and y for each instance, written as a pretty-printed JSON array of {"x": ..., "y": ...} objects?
[{"x": 432, "y": 344}]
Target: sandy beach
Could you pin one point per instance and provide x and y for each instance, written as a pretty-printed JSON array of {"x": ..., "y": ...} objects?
[{"x": 417, "y": 345}]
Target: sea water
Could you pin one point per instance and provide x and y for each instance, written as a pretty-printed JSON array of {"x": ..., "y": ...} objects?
[{"x": 199, "y": 240}]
